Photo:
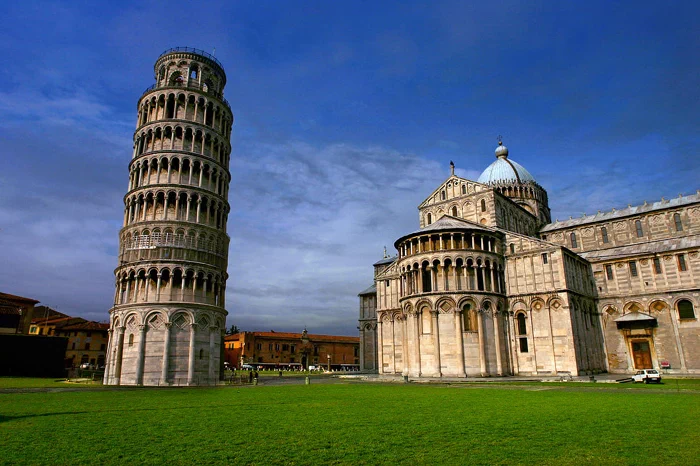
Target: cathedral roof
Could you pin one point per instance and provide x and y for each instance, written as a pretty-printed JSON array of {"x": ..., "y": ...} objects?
[
  {"x": 446, "y": 223},
  {"x": 505, "y": 170},
  {"x": 386, "y": 260},
  {"x": 650, "y": 247},
  {"x": 371, "y": 290},
  {"x": 628, "y": 211}
]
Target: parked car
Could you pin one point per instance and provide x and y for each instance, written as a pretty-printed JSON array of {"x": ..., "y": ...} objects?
[{"x": 647, "y": 376}]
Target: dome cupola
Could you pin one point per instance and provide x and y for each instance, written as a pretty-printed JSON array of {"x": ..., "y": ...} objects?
[{"x": 504, "y": 170}]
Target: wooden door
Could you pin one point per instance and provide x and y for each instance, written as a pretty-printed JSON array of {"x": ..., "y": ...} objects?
[{"x": 641, "y": 354}]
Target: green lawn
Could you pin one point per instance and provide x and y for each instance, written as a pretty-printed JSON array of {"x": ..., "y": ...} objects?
[
  {"x": 351, "y": 424},
  {"x": 35, "y": 382}
]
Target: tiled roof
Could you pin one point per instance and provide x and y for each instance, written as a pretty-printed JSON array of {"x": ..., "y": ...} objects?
[
  {"x": 386, "y": 260},
  {"x": 15, "y": 298},
  {"x": 297, "y": 336},
  {"x": 446, "y": 223},
  {"x": 87, "y": 325},
  {"x": 371, "y": 290},
  {"x": 652, "y": 247},
  {"x": 626, "y": 212}
]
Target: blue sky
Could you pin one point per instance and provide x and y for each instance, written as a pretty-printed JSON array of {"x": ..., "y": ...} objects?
[{"x": 347, "y": 115}]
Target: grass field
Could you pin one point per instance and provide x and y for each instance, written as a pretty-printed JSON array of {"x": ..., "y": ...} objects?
[{"x": 354, "y": 423}]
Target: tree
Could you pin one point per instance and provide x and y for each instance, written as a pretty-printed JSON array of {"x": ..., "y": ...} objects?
[{"x": 232, "y": 330}]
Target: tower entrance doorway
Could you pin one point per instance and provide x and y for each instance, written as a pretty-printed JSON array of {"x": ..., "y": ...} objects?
[{"x": 641, "y": 353}]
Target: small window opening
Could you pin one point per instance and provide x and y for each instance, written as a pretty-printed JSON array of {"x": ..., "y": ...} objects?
[
  {"x": 604, "y": 233},
  {"x": 633, "y": 268},
  {"x": 483, "y": 205},
  {"x": 677, "y": 221},
  {"x": 638, "y": 226},
  {"x": 657, "y": 265},
  {"x": 609, "y": 271},
  {"x": 131, "y": 340},
  {"x": 685, "y": 309},
  {"x": 464, "y": 189},
  {"x": 681, "y": 263},
  {"x": 454, "y": 211},
  {"x": 574, "y": 242},
  {"x": 544, "y": 257},
  {"x": 512, "y": 248}
]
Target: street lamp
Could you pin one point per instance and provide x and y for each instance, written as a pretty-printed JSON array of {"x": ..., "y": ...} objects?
[{"x": 329, "y": 362}]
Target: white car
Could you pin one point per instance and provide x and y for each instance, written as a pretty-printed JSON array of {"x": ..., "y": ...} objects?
[{"x": 647, "y": 375}]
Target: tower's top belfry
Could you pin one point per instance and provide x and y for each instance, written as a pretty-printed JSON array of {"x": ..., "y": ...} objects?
[{"x": 189, "y": 67}]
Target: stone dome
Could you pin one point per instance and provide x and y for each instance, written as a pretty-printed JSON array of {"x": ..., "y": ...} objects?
[{"x": 505, "y": 170}]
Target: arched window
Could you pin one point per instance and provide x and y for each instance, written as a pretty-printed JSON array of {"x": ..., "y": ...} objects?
[
  {"x": 201, "y": 354},
  {"x": 522, "y": 332},
  {"x": 677, "y": 221},
  {"x": 430, "y": 219},
  {"x": 464, "y": 189},
  {"x": 442, "y": 195},
  {"x": 574, "y": 243},
  {"x": 685, "y": 309},
  {"x": 604, "y": 233},
  {"x": 512, "y": 248},
  {"x": 454, "y": 211},
  {"x": 194, "y": 71},
  {"x": 483, "y": 205},
  {"x": 131, "y": 339},
  {"x": 468, "y": 318},
  {"x": 426, "y": 322},
  {"x": 638, "y": 226}
]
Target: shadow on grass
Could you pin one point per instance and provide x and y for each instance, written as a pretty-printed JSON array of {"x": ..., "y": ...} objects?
[{"x": 4, "y": 418}]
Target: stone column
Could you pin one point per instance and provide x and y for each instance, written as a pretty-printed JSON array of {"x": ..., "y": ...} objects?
[
  {"x": 393, "y": 347},
  {"x": 214, "y": 332},
  {"x": 482, "y": 342},
  {"x": 459, "y": 339},
  {"x": 417, "y": 348},
  {"x": 109, "y": 358},
  {"x": 380, "y": 346},
  {"x": 190, "y": 362},
  {"x": 362, "y": 347},
  {"x": 141, "y": 355},
  {"x": 166, "y": 354},
  {"x": 118, "y": 359},
  {"x": 160, "y": 276},
  {"x": 497, "y": 341},
  {"x": 436, "y": 342},
  {"x": 404, "y": 350},
  {"x": 128, "y": 290}
]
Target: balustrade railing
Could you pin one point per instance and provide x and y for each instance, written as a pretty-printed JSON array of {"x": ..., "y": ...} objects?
[{"x": 192, "y": 50}]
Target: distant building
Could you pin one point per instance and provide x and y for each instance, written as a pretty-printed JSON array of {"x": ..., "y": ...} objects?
[
  {"x": 87, "y": 343},
  {"x": 292, "y": 350},
  {"x": 47, "y": 321},
  {"x": 15, "y": 313},
  {"x": 490, "y": 286}
]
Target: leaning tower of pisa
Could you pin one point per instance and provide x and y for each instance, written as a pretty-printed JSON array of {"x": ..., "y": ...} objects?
[{"x": 168, "y": 318}]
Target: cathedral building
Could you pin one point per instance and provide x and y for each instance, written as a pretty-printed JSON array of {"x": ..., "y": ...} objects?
[{"x": 490, "y": 286}]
